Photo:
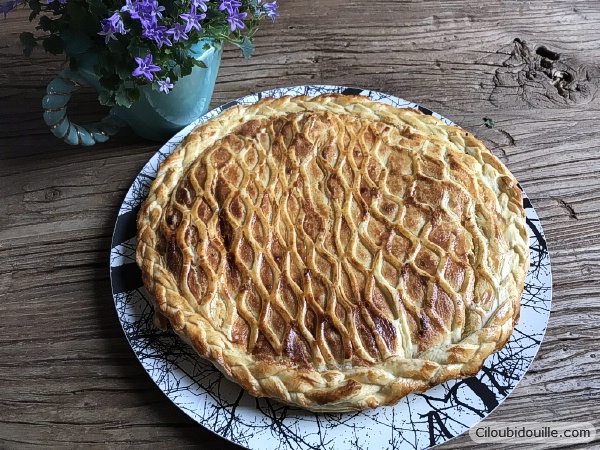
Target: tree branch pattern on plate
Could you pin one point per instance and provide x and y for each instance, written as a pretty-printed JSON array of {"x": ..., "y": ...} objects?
[{"x": 419, "y": 421}]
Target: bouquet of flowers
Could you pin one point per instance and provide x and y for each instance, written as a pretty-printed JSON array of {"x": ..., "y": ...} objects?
[{"x": 141, "y": 42}]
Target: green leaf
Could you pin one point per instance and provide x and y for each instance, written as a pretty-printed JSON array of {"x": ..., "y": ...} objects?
[
  {"x": 97, "y": 8},
  {"x": 206, "y": 46},
  {"x": 199, "y": 63},
  {"x": 81, "y": 20},
  {"x": 53, "y": 44},
  {"x": 219, "y": 30},
  {"x": 122, "y": 99},
  {"x": 27, "y": 39},
  {"x": 110, "y": 83},
  {"x": 107, "y": 59},
  {"x": 177, "y": 71},
  {"x": 212, "y": 14},
  {"x": 117, "y": 46},
  {"x": 45, "y": 23},
  {"x": 123, "y": 70},
  {"x": 105, "y": 64},
  {"x": 246, "y": 47},
  {"x": 138, "y": 49},
  {"x": 36, "y": 8},
  {"x": 180, "y": 55},
  {"x": 186, "y": 70},
  {"x": 134, "y": 94},
  {"x": 172, "y": 76},
  {"x": 489, "y": 123},
  {"x": 105, "y": 98}
]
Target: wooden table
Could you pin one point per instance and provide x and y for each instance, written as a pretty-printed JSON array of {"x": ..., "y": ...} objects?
[{"x": 68, "y": 378}]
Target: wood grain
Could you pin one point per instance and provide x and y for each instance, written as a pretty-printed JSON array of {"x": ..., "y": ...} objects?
[{"x": 68, "y": 378}]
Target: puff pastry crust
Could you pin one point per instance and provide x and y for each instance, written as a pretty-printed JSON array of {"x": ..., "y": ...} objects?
[{"x": 335, "y": 253}]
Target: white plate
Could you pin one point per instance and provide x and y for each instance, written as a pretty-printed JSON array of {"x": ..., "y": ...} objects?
[{"x": 419, "y": 421}]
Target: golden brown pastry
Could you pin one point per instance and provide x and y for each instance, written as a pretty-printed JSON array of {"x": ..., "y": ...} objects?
[{"x": 333, "y": 252}]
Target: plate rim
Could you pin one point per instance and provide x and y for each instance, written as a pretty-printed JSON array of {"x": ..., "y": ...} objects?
[{"x": 334, "y": 88}]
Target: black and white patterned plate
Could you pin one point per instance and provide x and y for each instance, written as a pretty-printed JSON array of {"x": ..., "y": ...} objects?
[{"x": 419, "y": 421}]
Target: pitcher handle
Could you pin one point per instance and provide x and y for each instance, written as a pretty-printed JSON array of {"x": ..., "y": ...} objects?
[{"x": 58, "y": 94}]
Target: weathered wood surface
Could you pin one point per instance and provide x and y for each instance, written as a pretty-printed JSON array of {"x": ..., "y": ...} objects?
[{"x": 67, "y": 375}]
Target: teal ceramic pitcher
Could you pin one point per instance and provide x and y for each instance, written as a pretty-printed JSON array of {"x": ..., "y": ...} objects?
[{"x": 155, "y": 116}]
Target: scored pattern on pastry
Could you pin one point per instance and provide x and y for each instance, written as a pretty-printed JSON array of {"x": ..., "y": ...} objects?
[{"x": 312, "y": 253}]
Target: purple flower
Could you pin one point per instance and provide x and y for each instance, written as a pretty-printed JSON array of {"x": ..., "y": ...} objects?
[
  {"x": 129, "y": 7},
  {"x": 148, "y": 23},
  {"x": 178, "y": 32},
  {"x": 229, "y": 5},
  {"x": 158, "y": 33},
  {"x": 8, "y": 5},
  {"x": 192, "y": 20},
  {"x": 145, "y": 67},
  {"x": 62, "y": 2},
  {"x": 165, "y": 86},
  {"x": 236, "y": 20},
  {"x": 148, "y": 8},
  {"x": 270, "y": 10},
  {"x": 199, "y": 4},
  {"x": 111, "y": 26},
  {"x": 146, "y": 11},
  {"x": 157, "y": 9}
]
